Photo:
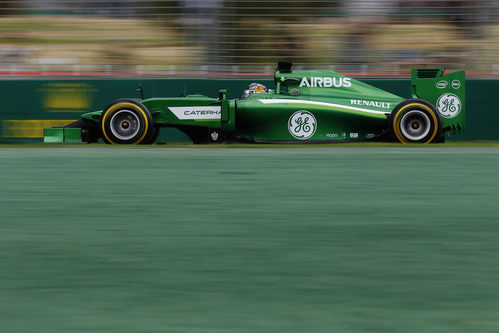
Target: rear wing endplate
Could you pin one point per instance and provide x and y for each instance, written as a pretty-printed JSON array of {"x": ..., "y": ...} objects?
[{"x": 446, "y": 92}]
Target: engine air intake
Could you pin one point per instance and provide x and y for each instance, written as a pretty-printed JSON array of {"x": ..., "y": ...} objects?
[{"x": 428, "y": 73}]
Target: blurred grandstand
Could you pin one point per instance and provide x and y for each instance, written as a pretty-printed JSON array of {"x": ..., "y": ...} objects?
[{"x": 240, "y": 36}]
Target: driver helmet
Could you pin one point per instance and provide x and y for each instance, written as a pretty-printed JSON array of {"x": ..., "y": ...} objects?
[{"x": 254, "y": 88}]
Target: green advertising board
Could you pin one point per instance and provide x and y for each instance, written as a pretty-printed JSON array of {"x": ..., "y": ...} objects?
[{"x": 29, "y": 106}]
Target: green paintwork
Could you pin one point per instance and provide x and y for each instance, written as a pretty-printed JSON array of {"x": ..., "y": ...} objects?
[
  {"x": 317, "y": 84},
  {"x": 94, "y": 116},
  {"x": 334, "y": 120},
  {"x": 72, "y": 135},
  {"x": 435, "y": 90},
  {"x": 53, "y": 135},
  {"x": 307, "y": 106},
  {"x": 62, "y": 135},
  {"x": 344, "y": 108}
]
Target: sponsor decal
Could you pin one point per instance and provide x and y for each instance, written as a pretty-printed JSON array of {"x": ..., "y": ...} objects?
[
  {"x": 326, "y": 82},
  {"x": 294, "y": 92},
  {"x": 196, "y": 112},
  {"x": 302, "y": 125},
  {"x": 456, "y": 84},
  {"x": 370, "y": 135},
  {"x": 449, "y": 105},
  {"x": 332, "y": 135},
  {"x": 383, "y": 105},
  {"x": 442, "y": 84},
  {"x": 354, "y": 135}
]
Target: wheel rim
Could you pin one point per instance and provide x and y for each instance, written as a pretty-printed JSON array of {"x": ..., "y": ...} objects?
[
  {"x": 415, "y": 125},
  {"x": 124, "y": 125}
]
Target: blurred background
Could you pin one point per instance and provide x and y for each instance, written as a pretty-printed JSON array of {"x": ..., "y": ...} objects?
[{"x": 242, "y": 37}]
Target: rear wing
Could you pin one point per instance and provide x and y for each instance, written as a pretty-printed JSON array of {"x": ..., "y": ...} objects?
[{"x": 446, "y": 92}]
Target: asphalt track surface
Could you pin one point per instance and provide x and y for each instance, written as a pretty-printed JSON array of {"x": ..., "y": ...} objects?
[{"x": 341, "y": 238}]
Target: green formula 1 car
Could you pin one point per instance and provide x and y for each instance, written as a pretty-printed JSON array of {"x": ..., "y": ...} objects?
[{"x": 305, "y": 107}]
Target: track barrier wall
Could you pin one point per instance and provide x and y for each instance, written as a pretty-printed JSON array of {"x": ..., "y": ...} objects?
[{"x": 30, "y": 105}]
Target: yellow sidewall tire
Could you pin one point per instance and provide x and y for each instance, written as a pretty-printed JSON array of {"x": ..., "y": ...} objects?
[
  {"x": 427, "y": 109},
  {"x": 143, "y": 115}
]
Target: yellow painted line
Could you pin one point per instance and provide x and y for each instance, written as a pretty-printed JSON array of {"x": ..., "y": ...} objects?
[{"x": 29, "y": 128}]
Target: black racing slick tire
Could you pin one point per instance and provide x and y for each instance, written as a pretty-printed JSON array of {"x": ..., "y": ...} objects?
[
  {"x": 152, "y": 137},
  {"x": 126, "y": 121},
  {"x": 415, "y": 121}
]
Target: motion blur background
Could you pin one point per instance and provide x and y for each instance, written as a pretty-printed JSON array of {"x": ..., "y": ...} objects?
[{"x": 240, "y": 36}]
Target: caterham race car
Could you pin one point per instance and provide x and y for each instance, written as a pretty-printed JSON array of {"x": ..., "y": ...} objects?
[{"x": 305, "y": 107}]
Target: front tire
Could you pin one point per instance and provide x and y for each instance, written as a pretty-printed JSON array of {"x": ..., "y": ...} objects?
[
  {"x": 152, "y": 137},
  {"x": 126, "y": 121},
  {"x": 415, "y": 121}
]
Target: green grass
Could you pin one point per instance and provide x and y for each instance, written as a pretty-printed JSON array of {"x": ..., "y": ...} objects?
[{"x": 344, "y": 238}]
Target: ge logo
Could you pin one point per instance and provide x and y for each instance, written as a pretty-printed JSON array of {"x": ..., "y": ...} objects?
[
  {"x": 302, "y": 125},
  {"x": 449, "y": 105}
]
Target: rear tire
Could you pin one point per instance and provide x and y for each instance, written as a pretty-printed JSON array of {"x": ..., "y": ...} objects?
[
  {"x": 415, "y": 121},
  {"x": 126, "y": 121}
]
